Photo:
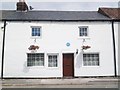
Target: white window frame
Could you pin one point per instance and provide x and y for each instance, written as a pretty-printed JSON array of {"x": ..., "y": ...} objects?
[
  {"x": 87, "y": 32},
  {"x": 36, "y": 65},
  {"x": 92, "y": 65},
  {"x": 40, "y": 32},
  {"x": 57, "y": 59}
]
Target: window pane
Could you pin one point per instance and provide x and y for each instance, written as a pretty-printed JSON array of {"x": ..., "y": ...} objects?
[
  {"x": 91, "y": 59},
  {"x": 35, "y": 31},
  {"x": 83, "y": 31},
  {"x": 38, "y": 33},
  {"x": 35, "y": 59},
  {"x": 32, "y": 31},
  {"x": 52, "y": 61}
]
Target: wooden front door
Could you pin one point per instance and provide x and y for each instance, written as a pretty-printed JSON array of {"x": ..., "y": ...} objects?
[{"x": 68, "y": 65}]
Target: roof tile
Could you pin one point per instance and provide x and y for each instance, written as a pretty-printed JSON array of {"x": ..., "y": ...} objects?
[
  {"x": 52, "y": 15},
  {"x": 113, "y": 13}
]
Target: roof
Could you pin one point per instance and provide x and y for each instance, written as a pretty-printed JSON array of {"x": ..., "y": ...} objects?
[
  {"x": 13, "y": 15},
  {"x": 113, "y": 13}
]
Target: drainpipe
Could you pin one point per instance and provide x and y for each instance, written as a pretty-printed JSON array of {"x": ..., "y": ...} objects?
[
  {"x": 114, "y": 49},
  {"x": 3, "y": 46}
]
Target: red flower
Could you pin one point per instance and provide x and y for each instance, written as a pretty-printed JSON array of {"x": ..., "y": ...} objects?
[{"x": 33, "y": 47}]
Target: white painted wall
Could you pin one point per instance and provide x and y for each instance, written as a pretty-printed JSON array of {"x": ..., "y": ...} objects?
[
  {"x": 55, "y": 35},
  {"x": 100, "y": 41}
]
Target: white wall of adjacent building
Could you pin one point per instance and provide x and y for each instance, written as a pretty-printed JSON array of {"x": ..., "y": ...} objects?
[
  {"x": 116, "y": 28},
  {"x": 54, "y": 37},
  {"x": 1, "y": 38}
]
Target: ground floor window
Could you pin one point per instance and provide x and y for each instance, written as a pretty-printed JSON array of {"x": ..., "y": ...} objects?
[
  {"x": 52, "y": 60},
  {"x": 35, "y": 59},
  {"x": 91, "y": 59}
]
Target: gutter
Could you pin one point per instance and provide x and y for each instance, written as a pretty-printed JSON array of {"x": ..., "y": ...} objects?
[
  {"x": 114, "y": 49},
  {"x": 3, "y": 47}
]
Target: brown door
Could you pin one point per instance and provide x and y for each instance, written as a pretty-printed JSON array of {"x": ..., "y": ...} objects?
[{"x": 68, "y": 65}]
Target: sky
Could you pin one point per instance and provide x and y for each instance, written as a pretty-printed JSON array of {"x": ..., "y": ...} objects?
[{"x": 77, "y": 5}]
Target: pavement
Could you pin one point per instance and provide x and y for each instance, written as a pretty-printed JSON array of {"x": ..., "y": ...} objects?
[{"x": 73, "y": 81}]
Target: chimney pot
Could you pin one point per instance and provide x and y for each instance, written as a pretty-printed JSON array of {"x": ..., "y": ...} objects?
[
  {"x": 21, "y": 5},
  {"x": 21, "y": 0}
]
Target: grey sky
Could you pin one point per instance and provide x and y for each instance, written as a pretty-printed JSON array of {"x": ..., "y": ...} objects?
[{"x": 62, "y": 5}]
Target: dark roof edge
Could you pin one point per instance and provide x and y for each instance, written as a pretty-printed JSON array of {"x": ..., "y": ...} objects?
[{"x": 59, "y": 20}]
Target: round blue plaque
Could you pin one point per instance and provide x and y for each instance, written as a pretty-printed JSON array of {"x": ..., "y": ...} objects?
[{"x": 67, "y": 44}]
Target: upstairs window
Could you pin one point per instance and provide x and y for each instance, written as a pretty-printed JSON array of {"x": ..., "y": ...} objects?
[
  {"x": 36, "y": 31},
  {"x": 83, "y": 31}
]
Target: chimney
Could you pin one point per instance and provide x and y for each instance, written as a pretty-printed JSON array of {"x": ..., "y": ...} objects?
[{"x": 21, "y": 5}]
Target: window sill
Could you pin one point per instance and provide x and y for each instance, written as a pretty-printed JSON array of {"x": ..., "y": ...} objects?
[
  {"x": 90, "y": 66},
  {"x": 35, "y": 37},
  {"x": 52, "y": 67},
  {"x": 83, "y": 37},
  {"x": 35, "y": 67}
]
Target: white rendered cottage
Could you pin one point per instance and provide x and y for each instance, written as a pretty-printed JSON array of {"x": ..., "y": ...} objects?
[{"x": 45, "y": 44}]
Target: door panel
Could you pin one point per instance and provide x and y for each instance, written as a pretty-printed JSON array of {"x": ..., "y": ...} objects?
[{"x": 68, "y": 65}]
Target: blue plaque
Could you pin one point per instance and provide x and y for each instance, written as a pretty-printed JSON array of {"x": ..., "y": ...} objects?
[{"x": 67, "y": 44}]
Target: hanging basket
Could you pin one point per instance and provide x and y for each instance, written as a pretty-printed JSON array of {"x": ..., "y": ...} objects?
[
  {"x": 85, "y": 47},
  {"x": 33, "y": 47}
]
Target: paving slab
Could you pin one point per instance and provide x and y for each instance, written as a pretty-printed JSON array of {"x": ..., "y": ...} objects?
[
  {"x": 74, "y": 81},
  {"x": 61, "y": 83}
]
